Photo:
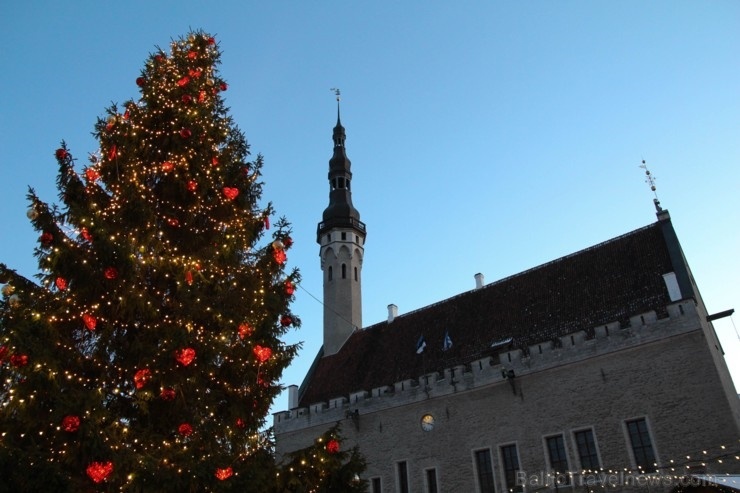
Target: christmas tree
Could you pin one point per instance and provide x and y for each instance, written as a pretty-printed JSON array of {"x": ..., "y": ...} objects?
[{"x": 148, "y": 355}]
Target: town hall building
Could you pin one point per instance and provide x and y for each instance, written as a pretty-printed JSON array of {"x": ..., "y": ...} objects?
[{"x": 600, "y": 369}]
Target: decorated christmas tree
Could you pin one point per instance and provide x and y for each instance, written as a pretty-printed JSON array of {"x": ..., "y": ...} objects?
[{"x": 148, "y": 355}]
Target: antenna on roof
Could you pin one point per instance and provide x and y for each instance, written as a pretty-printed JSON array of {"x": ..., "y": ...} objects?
[{"x": 650, "y": 180}]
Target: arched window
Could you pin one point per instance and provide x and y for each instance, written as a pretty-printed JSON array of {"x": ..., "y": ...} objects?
[
  {"x": 344, "y": 271},
  {"x": 330, "y": 273},
  {"x": 355, "y": 273}
]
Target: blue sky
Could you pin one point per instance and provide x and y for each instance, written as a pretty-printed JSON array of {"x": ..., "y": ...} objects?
[{"x": 485, "y": 136}]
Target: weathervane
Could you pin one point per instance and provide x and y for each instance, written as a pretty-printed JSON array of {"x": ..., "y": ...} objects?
[
  {"x": 650, "y": 180},
  {"x": 336, "y": 93}
]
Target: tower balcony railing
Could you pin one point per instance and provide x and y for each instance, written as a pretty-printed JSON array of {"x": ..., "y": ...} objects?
[{"x": 344, "y": 222}]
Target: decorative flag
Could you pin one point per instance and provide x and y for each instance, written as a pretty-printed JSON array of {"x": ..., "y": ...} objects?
[
  {"x": 447, "y": 344},
  {"x": 420, "y": 345}
]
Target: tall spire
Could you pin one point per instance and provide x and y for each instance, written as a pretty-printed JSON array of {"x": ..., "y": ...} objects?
[{"x": 341, "y": 235}]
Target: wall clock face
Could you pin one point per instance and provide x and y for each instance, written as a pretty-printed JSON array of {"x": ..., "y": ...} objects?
[{"x": 427, "y": 422}]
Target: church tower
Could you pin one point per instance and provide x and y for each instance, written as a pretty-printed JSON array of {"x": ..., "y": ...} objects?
[{"x": 341, "y": 236}]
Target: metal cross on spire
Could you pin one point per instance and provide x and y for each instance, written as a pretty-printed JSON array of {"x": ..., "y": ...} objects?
[{"x": 650, "y": 180}]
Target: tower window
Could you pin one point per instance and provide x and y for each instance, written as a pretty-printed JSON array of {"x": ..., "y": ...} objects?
[
  {"x": 330, "y": 274},
  {"x": 341, "y": 182},
  {"x": 344, "y": 271},
  {"x": 344, "y": 235},
  {"x": 328, "y": 237},
  {"x": 355, "y": 273}
]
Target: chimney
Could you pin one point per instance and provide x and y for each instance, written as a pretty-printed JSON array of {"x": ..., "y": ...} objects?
[
  {"x": 392, "y": 312},
  {"x": 292, "y": 396},
  {"x": 478, "y": 280}
]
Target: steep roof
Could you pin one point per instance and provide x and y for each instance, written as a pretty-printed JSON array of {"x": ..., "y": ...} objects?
[{"x": 610, "y": 281}]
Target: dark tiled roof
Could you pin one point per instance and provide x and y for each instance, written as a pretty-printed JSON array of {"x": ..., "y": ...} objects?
[{"x": 608, "y": 282}]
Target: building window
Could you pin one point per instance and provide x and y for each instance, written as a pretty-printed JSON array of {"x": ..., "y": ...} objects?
[
  {"x": 431, "y": 481},
  {"x": 357, "y": 239},
  {"x": 375, "y": 485},
  {"x": 330, "y": 273},
  {"x": 355, "y": 273},
  {"x": 587, "y": 454},
  {"x": 328, "y": 238},
  {"x": 344, "y": 271},
  {"x": 642, "y": 446},
  {"x": 344, "y": 236},
  {"x": 558, "y": 459},
  {"x": 484, "y": 470},
  {"x": 510, "y": 460},
  {"x": 403, "y": 477}
]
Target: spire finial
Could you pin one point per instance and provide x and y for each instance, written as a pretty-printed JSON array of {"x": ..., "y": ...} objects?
[
  {"x": 650, "y": 180},
  {"x": 337, "y": 93}
]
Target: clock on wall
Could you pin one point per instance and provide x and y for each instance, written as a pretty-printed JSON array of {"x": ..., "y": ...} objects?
[{"x": 427, "y": 422}]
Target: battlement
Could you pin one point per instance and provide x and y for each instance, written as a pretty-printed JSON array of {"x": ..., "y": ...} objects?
[{"x": 498, "y": 369}]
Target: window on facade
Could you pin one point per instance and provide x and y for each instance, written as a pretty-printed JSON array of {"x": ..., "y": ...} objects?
[
  {"x": 510, "y": 461},
  {"x": 642, "y": 446},
  {"x": 586, "y": 445},
  {"x": 341, "y": 182},
  {"x": 344, "y": 271},
  {"x": 330, "y": 274},
  {"x": 355, "y": 273},
  {"x": 484, "y": 470},
  {"x": 431, "y": 481},
  {"x": 344, "y": 235},
  {"x": 558, "y": 459},
  {"x": 403, "y": 477},
  {"x": 375, "y": 485}
]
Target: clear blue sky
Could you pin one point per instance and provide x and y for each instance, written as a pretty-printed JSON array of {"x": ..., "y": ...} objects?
[{"x": 485, "y": 136}]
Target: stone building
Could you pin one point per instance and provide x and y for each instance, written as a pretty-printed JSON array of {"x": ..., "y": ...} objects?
[{"x": 584, "y": 372}]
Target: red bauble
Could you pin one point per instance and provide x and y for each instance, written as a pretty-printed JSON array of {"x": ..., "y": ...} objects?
[
  {"x": 184, "y": 81},
  {"x": 112, "y": 152},
  {"x": 224, "y": 474},
  {"x": 214, "y": 161},
  {"x": 85, "y": 234},
  {"x": 185, "y": 133},
  {"x": 279, "y": 256},
  {"x": 173, "y": 221},
  {"x": 110, "y": 273},
  {"x": 61, "y": 283},
  {"x": 61, "y": 154},
  {"x": 158, "y": 57},
  {"x": 185, "y": 356},
  {"x": 167, "y": 166},
  {"x": 92, "y": 174},
  {"x": 289, "y": 288},
  {"x": 267, "y": 222},
  {"x": 167, "y": 394},
  {"x": 126, "y": 115},
  {"x": 189, "y": 278},
  {"x": 287, "y": 242},
  {"x": 109, "y": 126},
  {"x": 140, "y": 81},
  {"x": 230, "y": 192},
  {"x": 262, "y": 353},
  {"x": 192, "y": 186},
  {"x": 286, "y": 320},
  {"x": 185, "y": 429},
  {"x": 99, "y": 471},
  {"x": 187, "y": 98},
  {"x": 89, "y": 320},
  {"x": 46, "y": 239},
  {"x": 332, "y": 446},
  {"x": 19, "y": 360},
  {"x": 211, "y": 41},
  {"x": 223, "y": 86},
  {"x": 201, "y": 96},
  {"x": 142, "y": 377},
  {"x": 71, "y": 423},
  {"x": 195, "y": 73},
  {"x": 245, "y": 330},
  {"x": 192, "y": 54},
  {"x": 3, "y": 352},
  {"x": 240, "y": 423}
]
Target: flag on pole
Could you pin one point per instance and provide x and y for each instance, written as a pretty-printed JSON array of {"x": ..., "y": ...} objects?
[
  {"x": 420, "y": 345},
  {"x": 447, "y": 344}
]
